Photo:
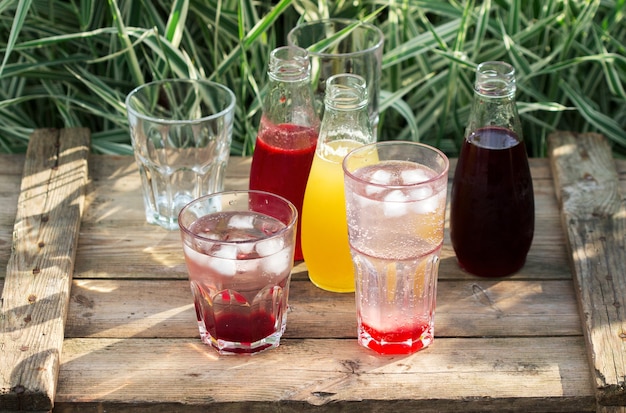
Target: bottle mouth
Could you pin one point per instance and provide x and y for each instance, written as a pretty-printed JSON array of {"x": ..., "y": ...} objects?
[
  {"x": 289, "y": 63},
  {"x": 495, "y": 79},
  {"x": 346, "y": 91}
]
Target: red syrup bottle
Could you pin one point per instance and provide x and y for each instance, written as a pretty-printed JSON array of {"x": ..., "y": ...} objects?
[
  {"x": 492, "y": 212},
  {"x": 288, "y": 131}
]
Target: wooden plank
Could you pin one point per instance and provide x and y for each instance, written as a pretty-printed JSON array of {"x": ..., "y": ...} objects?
[
  {"x": 162, "y": 257},
  {"x": 114, "y": 200},
  {"x": 594, "y": 218},
  {"x": 110, "y": 308},
  {"x": 39, "y": 272},
  {"x": 456, "y": 375},
  {"x": 11, "y": 167}
]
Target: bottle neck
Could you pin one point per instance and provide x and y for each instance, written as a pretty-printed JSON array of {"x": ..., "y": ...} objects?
[
  {"x": 289, "y": 64},
  {"x": 346, "y": 111},
  {"x": 289, "y": 96},
  {"x": 494, "y": 99}
]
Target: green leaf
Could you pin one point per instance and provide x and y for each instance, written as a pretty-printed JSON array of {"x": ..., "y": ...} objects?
[
  {"x": 605, "y": 124},
  {"x": 18, "y": 21}
]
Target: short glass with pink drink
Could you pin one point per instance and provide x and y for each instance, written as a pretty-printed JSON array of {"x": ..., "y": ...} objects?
[
  {"x": 239, "y": 248},
  {"x": 395, "y": 203}
]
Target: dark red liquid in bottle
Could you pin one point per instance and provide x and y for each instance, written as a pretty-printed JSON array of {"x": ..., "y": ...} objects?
[
  {"x": 492, "y": 216},
  {"x": 281, "y": 164}
]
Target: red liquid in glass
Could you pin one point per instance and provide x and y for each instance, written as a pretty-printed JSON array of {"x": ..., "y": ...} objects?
[
  {"x": 281, "y": 164},
  {"x": 402, "y": 341},
  {"x": 242, "y": 328},
  {"x": 492, "y": 214}
]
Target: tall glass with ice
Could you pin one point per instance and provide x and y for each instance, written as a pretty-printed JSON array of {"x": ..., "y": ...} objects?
[
  {"x": 395, "y": 204},
  {"x": 239, "y": 248}
]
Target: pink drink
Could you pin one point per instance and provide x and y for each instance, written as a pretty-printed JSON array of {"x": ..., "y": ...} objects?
[
  {"x": 395, "y": 215},
  {"x": 239, "y": 273}
]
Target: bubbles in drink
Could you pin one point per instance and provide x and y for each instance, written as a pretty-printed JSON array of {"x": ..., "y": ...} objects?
[
  {"x": 395, "y": 212},
  {"x": 403, "y": 204},
  {"x": 364, "y": 202}
]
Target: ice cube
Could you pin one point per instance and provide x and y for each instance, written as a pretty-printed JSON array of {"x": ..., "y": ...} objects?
[
  {"x": 394, "y": 204},
  {"x": 269, "y": 246},
  {"x": 395, "y": 196},
  {"x": 227, "y": 251},
  {"x": 241, "y": 222},
  {"x": 245, "y": 248},
  {"x": 223, "y": 266},
  {"x": 420, "y": 193},
  {"x": 413, "y": 176},
  {"x": 209, "y": 234},
  {"x": 201, "y": 246},
  {"x": 429, "y": 205},
  {"x": 381, "y": 177},
  {"x": 276, "y": 264},
  {"x": 373, "y": 190},
  {"x": 199, "y": 259}
]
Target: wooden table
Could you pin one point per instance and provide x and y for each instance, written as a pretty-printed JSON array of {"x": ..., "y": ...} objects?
[{"x": 129, "y": 339}]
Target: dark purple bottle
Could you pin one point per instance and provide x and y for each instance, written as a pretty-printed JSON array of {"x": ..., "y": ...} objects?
[{"x": 492, "y": 215}]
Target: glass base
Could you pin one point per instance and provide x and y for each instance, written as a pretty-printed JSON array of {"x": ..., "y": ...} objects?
[
  {"x": 395, "y": 343},
  {"x": 224, "y": 347},
  {"x": 165, "y": 215},
  {"x": 162, "y": 221}
]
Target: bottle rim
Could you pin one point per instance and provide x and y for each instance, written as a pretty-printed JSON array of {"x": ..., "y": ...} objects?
[
  {"x": 495, "y": 78},
  {"x": 346, "y": 91},
  {"x": 336, "y": 25},
  {"x": 289, "y": 63}
]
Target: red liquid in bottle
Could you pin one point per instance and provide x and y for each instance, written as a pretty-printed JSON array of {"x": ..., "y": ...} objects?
[
  {"x": 492, "y": 215},
  {"x": 281, "y": 164}
]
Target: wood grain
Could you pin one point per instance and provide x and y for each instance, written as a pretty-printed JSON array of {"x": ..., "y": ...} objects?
[
  {"x": 593, "y": 212},
  {"x": 114, "y": 202},
  {"x": 534, "y": 374},
  {"x": 39, "y": 271},
  {"x": 111, "y": 308},
  {"x": 514, "y": 344}
]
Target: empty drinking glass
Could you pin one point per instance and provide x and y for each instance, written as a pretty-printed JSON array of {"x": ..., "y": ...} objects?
[
  {"x": 181, "y": 132},
  {"x": 342, "y": 46}
]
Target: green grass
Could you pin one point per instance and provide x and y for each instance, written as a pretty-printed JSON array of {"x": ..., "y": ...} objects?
[{"x": 70, "y": 63}]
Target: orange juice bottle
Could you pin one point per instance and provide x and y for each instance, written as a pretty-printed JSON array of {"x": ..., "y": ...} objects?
[{"x": 345, "y": 126}]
